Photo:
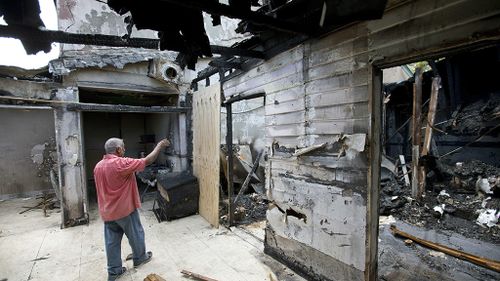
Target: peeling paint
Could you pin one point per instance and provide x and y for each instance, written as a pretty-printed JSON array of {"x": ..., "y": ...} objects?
[
  {"x": 65, "y": 9},
  {"x": 102, "y": 23},
  {"x": 37, "y": 153}
]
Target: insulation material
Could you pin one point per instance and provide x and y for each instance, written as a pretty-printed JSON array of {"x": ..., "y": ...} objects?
[{"x": 488, "y": 217}]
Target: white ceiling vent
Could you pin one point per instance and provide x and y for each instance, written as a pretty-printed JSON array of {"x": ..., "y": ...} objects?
[{"x": 164, "y": 70}]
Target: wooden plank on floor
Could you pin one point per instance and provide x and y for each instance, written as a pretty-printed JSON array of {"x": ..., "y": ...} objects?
[{"x": 197, "y": 276}]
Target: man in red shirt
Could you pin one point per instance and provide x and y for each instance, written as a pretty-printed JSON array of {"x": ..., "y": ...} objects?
[{"x": 118, "y": 200}]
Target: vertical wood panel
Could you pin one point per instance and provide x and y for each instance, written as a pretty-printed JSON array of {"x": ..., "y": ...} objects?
[
  {"x": 372, "y": 206},
  {"x": 206, "y": 146}
]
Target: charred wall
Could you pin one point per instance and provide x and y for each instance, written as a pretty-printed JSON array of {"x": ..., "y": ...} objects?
[
  {"x": 319, "y": 199},
  {"x": 323, "y": 216}
]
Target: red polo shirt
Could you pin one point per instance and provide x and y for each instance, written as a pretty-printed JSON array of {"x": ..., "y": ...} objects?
[{"x": 117, "y": 194}]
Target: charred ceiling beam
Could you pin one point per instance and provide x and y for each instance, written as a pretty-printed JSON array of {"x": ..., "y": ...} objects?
[
  {"x": 206, "y": 73},
  {"x": 125, "y": 108},
  {"x": 253, "y": 17},
  {"x": 216, "y": 66},
  {"x": 34, "y": 34},
  {"x": 230, "y": 51}
]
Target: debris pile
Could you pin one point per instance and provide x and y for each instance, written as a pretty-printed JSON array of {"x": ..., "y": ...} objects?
[
  {"x": 466, "y": 201},
  {"x": 476, "y": 118},
  {"x": 476, "y": 176},
  {"x": 47, "y": 202},
  {"x": 248, "y": 209}
]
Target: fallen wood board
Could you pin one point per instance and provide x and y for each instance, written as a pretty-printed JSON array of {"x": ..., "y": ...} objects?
[
  {"x": 197, "y": 276},
  {"x": 484, "y": 262},
  {"x": 247, "y": 180},
  {"x": 405, "y": 171}
]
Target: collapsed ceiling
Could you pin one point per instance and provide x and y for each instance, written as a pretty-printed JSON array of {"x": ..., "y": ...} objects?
[{"x": 180, "y": 23}]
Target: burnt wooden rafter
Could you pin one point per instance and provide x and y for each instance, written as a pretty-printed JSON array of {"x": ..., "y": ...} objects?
[
  {"x": 125, "y": 108},
  {"x": 250, "y": 16},
  {"x": 34, "y": 34}
]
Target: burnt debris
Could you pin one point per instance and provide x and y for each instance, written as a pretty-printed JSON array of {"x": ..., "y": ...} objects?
[
  {"x": 454, "y": 203},
  {"x": 175, "y": 31}
]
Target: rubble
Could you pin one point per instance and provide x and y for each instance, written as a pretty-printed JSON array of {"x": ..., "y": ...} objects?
[
  {"x": 249, "y": 208},
  {"x": 453, "y": 203}
]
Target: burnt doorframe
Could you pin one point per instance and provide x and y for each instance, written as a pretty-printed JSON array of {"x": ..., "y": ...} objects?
[
  {"x": 375, "y": 137},
  {"x": 180, "y": 128}
]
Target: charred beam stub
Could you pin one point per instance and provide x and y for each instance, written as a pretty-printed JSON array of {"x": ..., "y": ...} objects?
[
  {"x": 230, "y": 51},
  {"x": 243, "y": 97},
  {"x": 225, "y": 64},
  {"x": 207, "y": 72}
]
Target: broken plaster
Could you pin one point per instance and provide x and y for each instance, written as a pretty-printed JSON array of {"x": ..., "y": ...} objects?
[{"x": 72, "y": 147}]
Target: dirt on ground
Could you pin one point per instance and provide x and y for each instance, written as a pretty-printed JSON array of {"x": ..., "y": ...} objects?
[{"x": 452, "y": 203}]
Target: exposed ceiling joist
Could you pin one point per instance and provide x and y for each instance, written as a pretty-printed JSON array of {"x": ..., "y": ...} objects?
[
  {"x": 34, "y": 34},
  {"x": 250, "y": 16},
  {"x": 125, "y": 108}
]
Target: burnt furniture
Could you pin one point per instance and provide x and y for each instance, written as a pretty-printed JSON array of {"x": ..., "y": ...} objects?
[{"x": 176, "y": 197}]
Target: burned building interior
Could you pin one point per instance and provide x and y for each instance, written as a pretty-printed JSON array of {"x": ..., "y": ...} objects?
[{"x": 310, "y": 140}]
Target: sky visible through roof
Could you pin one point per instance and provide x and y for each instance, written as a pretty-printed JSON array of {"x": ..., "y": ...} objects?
[{"x": 12, "y": 52}]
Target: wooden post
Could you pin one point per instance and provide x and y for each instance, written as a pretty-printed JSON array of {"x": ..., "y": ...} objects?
[
  {"x": 229, "y": 144},
  {"x": 416, "y": 190},
  {"x": 428, "y": 130},
  {"x": 431, "y": 115}
]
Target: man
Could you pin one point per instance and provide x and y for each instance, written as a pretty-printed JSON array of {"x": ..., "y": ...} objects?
[{"x": 118, "y": 200}]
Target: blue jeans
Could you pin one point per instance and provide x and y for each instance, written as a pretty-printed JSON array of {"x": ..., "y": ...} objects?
[{"x": 113, "y": 233}]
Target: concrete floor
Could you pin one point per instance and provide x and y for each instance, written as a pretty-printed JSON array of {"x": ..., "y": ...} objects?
[{"x": 33, "y": 247}]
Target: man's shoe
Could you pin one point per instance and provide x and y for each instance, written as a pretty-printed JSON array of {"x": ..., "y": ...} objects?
[
  {"x": 113, "y": 277},
  {"x": 149, "y": 257}
]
